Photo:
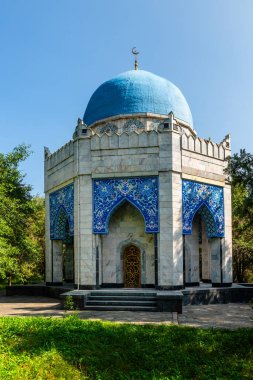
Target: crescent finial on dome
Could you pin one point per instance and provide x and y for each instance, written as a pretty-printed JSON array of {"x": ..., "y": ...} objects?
[{"x": 135, "y": 52}]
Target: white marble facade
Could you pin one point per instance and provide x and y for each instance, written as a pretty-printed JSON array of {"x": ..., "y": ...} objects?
[
  {"x": 171, "y": 153},
  {"x": 130, "y": 144}
]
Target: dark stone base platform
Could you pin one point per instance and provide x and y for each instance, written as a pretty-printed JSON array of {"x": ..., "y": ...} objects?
[
  {"x": 40, "y": 290},
  {"x": 207, "y": 294},
  {"x": 134, "y": 299}
]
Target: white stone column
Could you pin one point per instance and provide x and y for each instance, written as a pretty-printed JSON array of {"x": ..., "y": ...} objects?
[
  {"x": 177, "y": 229},
  {"x": 205, "y": 255},
  {"x": 165, "y": 259},
  {"x": 99, "y": 244},
  {"x": 215, "y": 260},
  {"x": 69, "y": 262},
  {"x": 87, "y": 257},
  {"x": 57, "y": 261},
  {"x": 192, "y": 255},
  {"x": 170, "y": 269},
  {"x": 97, "y": 257},
  {"x": 76, "y": 233},
  {"x": 227, "y": 241}
]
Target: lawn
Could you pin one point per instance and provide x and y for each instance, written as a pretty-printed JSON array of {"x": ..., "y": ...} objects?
[{"x": 69, "y": 348}]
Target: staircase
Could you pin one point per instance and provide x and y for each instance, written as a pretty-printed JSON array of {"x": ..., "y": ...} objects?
[{"x": 121, "y": 300}]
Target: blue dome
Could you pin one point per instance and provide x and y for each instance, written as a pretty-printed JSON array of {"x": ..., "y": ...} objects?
[{"x": 136, "y": 91}]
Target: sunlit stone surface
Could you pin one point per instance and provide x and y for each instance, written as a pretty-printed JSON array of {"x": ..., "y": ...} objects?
[{"x": 136, "y": 174}]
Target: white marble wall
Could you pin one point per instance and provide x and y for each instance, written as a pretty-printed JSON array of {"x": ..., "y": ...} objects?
[
  {"x": 177, "y": 242},
  {"x": 124, "y": 155},
  {"x": 199, "y": 165},
  {"x": 206, "y": 255},
  {"x": 170, "y": 201},
  {"x": 86, "y": 255},
  {"x": 211, "y": 269},
  {"x": 215, "y": 260},
  {"x": 192, "y": 254},
  {"x": 126, "y": 227},
  {"x": 69, "y": 262},
  {"x": 165, "y": 237},
  {"x": 127, "y": 155},
  {"x": 57, "y": 261},
  {"x": 227, "y": 241}
]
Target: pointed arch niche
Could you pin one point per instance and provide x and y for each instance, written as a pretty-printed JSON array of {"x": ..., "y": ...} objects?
[
  {"x": 126, "y": 227},
  {"x": 141, "y": 192},
  {"x": 61, "y": 226},
  {"x": 61, "y": 233},
  {"x": 59, "y": 201},
  {"x": 203, "y": 229}
]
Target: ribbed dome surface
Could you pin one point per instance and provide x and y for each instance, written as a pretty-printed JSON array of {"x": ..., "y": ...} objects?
[{"x": 136, "y": 91}]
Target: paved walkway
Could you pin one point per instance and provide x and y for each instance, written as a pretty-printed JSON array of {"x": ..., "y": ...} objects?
[{"x": 231, "y": 316}]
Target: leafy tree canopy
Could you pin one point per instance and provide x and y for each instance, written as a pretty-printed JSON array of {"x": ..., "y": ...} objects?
[
  {"x": 240, "y": 167},
  {"x": 19, "y": 213}
]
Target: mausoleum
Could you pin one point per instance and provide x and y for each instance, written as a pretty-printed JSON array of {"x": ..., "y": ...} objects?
[{"x": 136, "y": 199}]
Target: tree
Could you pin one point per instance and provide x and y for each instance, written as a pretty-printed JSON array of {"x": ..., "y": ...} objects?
[
  {"x": 18, "y": 212},
  {"x": 242, "y": 235},
  {"x": 36, "y": 233},
  {"x": 240, "y": 167}
]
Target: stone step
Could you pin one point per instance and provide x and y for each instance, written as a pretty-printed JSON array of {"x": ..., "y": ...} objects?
[
  {"x": 120, "y": 298},
  {"x": 120, "y": 303},
  {"x": 125, "y": 293},
  {"x": 121, "y": 308}
]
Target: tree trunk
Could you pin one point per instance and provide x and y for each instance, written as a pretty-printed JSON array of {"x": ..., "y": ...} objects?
[{"x": 9, "y": 280}]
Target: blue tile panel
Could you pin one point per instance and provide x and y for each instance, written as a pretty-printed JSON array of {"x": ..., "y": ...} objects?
[
  {"x": 108, "y": 194},
  {"x": 61, "y": 225},
  {"x": 208, "y": 201},
  {"x": 62, "y": 211}
]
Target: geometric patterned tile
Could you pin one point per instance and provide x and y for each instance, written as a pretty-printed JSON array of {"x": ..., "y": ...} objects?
[
  {"x": 62, "y": 208},
  {"x": 206, "y": 199},
  {"x": 141, "y": 192}
]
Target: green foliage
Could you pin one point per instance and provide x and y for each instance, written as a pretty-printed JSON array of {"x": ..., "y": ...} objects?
[
  {"x": 242, "y": 235},
  {"x": 240, "y": 167},
  {"x": 20, "y": 220},
  {"x": 69, "y": 303},
  {"x": 36, "y": 234},
  {"x": 69, "y": 348}
]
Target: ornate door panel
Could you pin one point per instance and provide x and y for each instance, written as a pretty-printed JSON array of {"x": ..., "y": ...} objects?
[{"x": 132, "y": 267}]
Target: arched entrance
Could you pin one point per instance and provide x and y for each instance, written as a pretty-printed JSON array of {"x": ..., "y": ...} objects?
[
  {"x": 202, "y": 249},
  {"x": 132, "y": 267},
  {"x": 63, "y": 249},
  {"x": 126, "y": 228}
]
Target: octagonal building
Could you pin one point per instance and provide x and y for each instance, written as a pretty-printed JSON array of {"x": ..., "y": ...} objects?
[{"x": 136, "y": 199}]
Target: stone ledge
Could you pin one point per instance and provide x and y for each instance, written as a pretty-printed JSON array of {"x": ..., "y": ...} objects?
[
  {"x": 217, "y": 295},
  {"x": 36, "y": 290},
  {"x": 79, "y": 298},
  {"x": 169, "y": 301}
]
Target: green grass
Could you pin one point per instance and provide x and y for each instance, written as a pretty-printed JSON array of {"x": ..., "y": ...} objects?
[{"x": 69, "y": 348}]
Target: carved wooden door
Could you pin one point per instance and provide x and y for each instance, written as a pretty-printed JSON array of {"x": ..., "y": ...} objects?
[{"x": 132, "y": 267}]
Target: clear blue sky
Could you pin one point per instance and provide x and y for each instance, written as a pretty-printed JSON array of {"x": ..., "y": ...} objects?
[{"x": 55, "y": 53}]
